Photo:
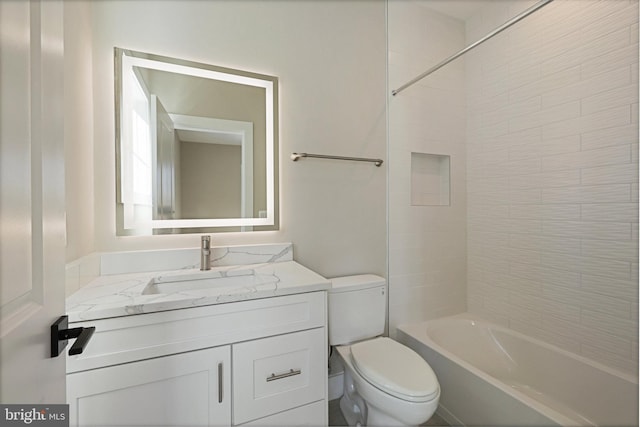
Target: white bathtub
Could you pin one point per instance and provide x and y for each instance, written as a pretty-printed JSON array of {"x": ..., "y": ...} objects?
[{"x": 493, "y": 376}]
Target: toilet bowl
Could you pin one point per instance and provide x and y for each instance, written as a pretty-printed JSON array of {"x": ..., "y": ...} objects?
[
  {"x": 403, "y": 392},
  {"x": 385, "y": 382}
]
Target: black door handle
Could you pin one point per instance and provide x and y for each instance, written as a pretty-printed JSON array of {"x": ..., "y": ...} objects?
[{"x": 60, "y": 334}]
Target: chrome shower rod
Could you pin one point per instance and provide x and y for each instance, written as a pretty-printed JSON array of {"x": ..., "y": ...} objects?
[
  {"x": 473, "y": 45},
  {"x": 296, "y": 156}
]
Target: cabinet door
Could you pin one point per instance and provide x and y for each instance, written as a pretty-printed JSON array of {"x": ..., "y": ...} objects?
[{"x": 188, "y": 389}]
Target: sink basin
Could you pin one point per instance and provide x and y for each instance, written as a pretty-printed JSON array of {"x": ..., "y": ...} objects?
[{"x": 204, "y": 281}]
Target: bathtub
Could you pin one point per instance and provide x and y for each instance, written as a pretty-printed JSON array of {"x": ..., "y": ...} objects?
[{"x": 493, "y": 376}]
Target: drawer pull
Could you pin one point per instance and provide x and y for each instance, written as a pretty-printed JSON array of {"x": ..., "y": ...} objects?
[
  {"x": 291, "y": 373},
  {"x": 220, "y": 382}
]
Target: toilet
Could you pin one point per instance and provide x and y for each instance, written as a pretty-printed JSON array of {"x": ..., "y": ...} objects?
[{"x": 385, "y": 382}]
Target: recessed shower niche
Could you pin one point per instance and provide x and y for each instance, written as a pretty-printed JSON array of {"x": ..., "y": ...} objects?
[{"x": 430, "y": 182}]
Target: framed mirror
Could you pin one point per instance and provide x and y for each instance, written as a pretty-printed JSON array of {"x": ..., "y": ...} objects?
[{"x": 196, "y": 147}]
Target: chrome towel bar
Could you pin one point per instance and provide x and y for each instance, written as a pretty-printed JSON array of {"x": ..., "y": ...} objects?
[{"x": 296, "y": 156}]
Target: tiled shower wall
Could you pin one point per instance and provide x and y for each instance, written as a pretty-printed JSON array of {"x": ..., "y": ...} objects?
[
  {"x": 552, "y": 166},
  {"x": 427, "y": 242}
]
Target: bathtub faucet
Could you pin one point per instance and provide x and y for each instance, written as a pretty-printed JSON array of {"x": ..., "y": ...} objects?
[{"x": 205, "y": 253}]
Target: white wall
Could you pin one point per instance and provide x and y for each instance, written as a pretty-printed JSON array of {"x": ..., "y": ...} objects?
[
  {"x": 427, "y": 244},
  {"x": 330, "y": 59},
  {"x": 552, "y": 134},
  {"x": 78, "y": 129}
]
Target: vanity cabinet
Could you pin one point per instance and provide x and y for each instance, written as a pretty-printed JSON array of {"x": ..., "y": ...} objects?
[{"x": 257, "y": 362}]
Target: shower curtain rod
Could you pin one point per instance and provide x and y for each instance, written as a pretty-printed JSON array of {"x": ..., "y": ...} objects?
[{"x": 471, "y": 46}]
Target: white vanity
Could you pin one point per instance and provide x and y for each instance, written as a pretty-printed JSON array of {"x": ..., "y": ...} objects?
[{"x": 249, "y": 348}]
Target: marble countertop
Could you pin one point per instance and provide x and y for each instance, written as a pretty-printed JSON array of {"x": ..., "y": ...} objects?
[{"x": 147, "y": 292}]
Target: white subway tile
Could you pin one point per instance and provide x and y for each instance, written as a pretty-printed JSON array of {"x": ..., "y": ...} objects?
[
  {"x": 544, "y": 274},
  {"x": 611, "y": 193},
  {"x": 559, "y": 178},
  {"x": 520, "y": 285},
  {"x": 624, "y": 289},
  {"x": 525, "y": 211},
  {"x": 520, "y": 75},
  {"x": 544, "y": 180},
  {"x": 586, "y": 300},
  {"x": 585, "y": 88},
  {"x": 612, "y": 60},
  {"x": 526, "y": 196},
  {"x": 616, "y": 135},
  {"x": 561, "y": 212},
  {"x": 545, "y": 307},
  {"x": 522, "y": 108},
  {"x": 552, "y": 82},
  {"x": 588, "y": 229},
  {"x": 613, "y": 174},
  {"x": 609, "y": 323},
  {"x": 522, "y": 313},
  {"x": 613, "y": 212},
  {"x": 574, "y": 20},
  {"x": 524, "y": 151},
  {"x": 553, "y": 114},
  {"x": 612, "y": 155},
  {"x": 624, "y": 95},
  {"x": 568, "y": 144},
  {"x": 565, "y": 52},
  {"x": 588, "y": 265},
  {"x": 607, "y": 193},
  {"x": 526, "y": 166},
  {"x": 573, "y": 49},
  {"x": 545, "y": 243},
  {"x": 527, "y": 226},
  {"x": 626, "y": 250},
  {"x": 617, "y": 17},
  {"x": 605, "y": 156}
]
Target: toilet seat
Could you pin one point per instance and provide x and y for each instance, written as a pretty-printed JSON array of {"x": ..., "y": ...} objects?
[{"x": 395, "y": 369}]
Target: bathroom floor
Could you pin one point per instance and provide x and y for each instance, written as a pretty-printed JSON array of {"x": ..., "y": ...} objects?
[{"x": 336, "y": 418}]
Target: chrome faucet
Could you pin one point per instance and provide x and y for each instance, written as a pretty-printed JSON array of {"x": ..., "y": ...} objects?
[{"x": 205, "y": 253}]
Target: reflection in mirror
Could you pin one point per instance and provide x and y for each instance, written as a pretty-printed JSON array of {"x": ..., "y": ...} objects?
[{"x": 196, "y": 149}]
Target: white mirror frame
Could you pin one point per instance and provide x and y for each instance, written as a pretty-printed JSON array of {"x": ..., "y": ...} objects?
[{"x": 131, "y": 224}]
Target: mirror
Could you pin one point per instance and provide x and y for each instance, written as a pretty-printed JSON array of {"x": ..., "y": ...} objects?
[{"x": 196, "y": 147}]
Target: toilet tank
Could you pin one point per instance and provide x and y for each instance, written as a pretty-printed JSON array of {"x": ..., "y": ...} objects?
[{"x": 357, "y": 308}]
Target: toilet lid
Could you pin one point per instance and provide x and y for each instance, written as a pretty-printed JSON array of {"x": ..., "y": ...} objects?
[{"x": 395, "y": 369}]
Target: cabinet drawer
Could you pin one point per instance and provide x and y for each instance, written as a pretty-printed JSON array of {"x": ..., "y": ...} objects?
[
  {"x": 130, "y": 338},
  {"x": 274, "y": 374},
  {"x": 314, "y": 414}
]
